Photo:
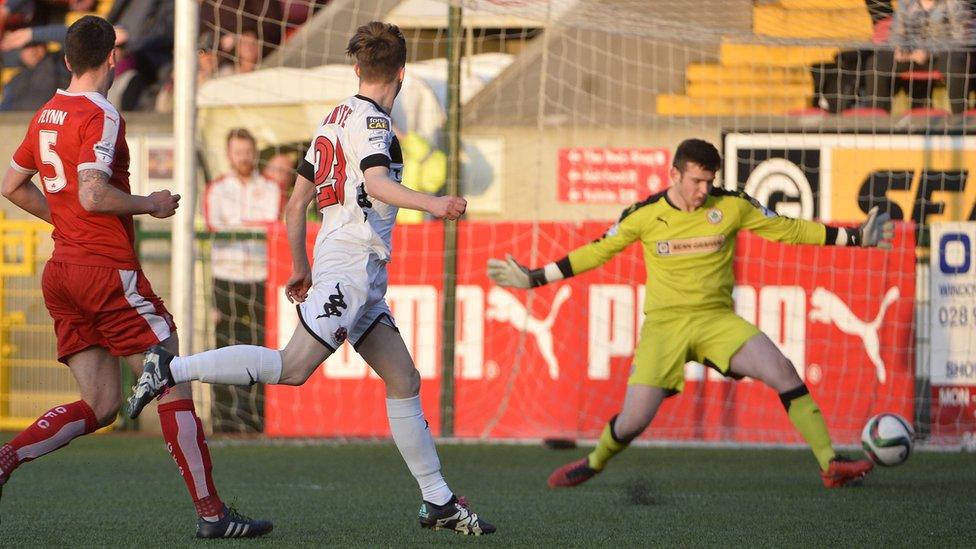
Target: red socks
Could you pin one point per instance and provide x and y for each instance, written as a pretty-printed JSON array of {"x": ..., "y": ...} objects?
[
  {"x": 56, "y": 428},
  {"x": 183, "y": 433}
]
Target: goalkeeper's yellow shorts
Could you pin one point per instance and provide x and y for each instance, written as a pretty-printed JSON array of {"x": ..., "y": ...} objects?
[{"x": 669, "y": 339}]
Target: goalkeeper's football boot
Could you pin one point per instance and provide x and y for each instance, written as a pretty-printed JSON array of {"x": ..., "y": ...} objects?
[
  {"x": 155, "y": 379},
  {"x": 233, "y": 525},
  {"x": 454, "y": 515},
  {"x": 844, "y": 471},
  {"x": 571, "y": 474}
]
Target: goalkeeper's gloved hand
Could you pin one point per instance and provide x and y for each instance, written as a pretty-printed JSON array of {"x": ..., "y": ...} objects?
[
  {"x": 509, "y": 273},
  {"x": 877, "y": 230}
]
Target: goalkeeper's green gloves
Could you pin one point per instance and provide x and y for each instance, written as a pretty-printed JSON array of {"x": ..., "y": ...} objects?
[
  {"x": 876, "y": 231},
  {"x": 511, "y": 274}
]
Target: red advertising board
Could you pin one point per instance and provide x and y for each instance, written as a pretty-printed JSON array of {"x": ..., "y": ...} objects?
[
  {"x": 592, "y": 175},
  {"x": 554, "y": 361}
]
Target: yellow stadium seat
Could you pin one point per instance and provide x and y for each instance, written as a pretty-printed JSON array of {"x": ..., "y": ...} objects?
[
  {"x": 7, "y": 74},
  {"x": 683, "y": 105},
  {"x": 762, "y": 56},
  {"x": 781, "y": 21},
  {"x": 73, "y": 16}
]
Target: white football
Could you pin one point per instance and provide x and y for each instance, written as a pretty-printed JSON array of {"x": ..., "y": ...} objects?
[{"x": 888, "y": 439}]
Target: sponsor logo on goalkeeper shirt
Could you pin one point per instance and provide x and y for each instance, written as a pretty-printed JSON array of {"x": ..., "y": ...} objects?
[{"x": 688, "y": 246}]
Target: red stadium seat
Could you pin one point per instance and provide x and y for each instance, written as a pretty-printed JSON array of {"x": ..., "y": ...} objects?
[
  {"x": 921, "y": 75},
  {"x": 930, "y": 112},
  {"x": 863, "y": 111},
  {"x": 881, "y": 31}
]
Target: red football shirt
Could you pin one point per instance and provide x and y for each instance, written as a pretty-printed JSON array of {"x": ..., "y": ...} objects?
[{"x": 73, "y": 132}]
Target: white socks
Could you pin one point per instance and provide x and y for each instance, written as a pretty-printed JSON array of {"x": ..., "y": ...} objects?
[
  {"x": 235, "y": 365},
  {"x": 412, "y": 437}
]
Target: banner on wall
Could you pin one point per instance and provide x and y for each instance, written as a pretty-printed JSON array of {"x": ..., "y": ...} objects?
[
  {"x": 839, "y": 177},
  {"x": 953, "y": 331},
  {"x": 554, "y": 361},
  {"x": 594, "y": 175}
]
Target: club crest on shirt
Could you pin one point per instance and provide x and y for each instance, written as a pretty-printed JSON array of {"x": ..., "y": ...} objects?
[
  {"x": 714, "y": 216},
  {"x": 377, "y": 123}
]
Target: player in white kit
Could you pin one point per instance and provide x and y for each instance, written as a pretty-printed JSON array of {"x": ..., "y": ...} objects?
[{"x": 352, "y": 170}]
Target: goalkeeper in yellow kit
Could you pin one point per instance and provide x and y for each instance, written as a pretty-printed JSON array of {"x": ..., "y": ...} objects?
[{"x": 688, "y": 235}]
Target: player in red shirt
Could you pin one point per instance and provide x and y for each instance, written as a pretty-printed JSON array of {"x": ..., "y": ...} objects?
[{"x": 102, "y": 304}]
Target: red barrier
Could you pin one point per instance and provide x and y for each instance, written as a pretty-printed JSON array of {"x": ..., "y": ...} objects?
[{"x": 554, "y": 361}]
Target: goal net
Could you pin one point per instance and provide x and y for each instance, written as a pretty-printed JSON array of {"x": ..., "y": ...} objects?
[{"x": 571, "y": 110}]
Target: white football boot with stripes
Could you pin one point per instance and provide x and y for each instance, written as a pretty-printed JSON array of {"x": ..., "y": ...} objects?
[
  {"x": 233, "y": 525},
  {"x": 454, "y": 515}
]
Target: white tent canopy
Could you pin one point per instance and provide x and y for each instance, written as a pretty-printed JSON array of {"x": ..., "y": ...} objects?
[{"x": 419, "y": 108}]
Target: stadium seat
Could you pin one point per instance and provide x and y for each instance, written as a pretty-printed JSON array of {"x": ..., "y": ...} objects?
[
  {"x": 926, "y": 112},
  {"x": 970, "y": 112},
  {"x": 921, "y": 75},
  {"x": 863, "y": 112},
  {"x": 807, "y": 112},
  {"x": 795, "y": 20}
]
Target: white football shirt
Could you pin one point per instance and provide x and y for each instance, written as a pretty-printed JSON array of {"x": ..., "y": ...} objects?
[{"x": 355, "y": 136}]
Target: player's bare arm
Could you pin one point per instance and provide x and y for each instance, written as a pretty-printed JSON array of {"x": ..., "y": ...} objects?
[
  {"x": 301, "y": 272},
  {"x": 97, "y": 195},
  {"x": 19, "y": 189},
  {"x": 381, "y": 187}
]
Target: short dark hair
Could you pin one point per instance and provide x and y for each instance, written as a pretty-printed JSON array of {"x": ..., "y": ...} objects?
[
  {"x": 380, "y": 51},
  {"x": 88, "y": 43},
  {"x": 700, "y": 152},
  {"x": 240, "y": 133}
]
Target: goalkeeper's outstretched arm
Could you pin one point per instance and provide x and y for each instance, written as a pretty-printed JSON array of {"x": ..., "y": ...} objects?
[
  {"x": 510, "y": 273},
  {"x": 876, "y": 231}
]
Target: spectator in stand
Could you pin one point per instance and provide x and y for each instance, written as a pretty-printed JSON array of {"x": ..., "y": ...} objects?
[
  {"x": 144, "y": 34},
  {"x": 15, "y": 14},
  {"x": 43, "y": 28},
  {"x": 839, "y": 85},
  {"x": 246, "y": 53},
  {"x": 244, "y": 28},
  {"x": 207, "y": 65},
  {"x": 42, "y": 75},
  {"x": 239, "y": 200},
  {"x": 926, "y": 35},
  {"x": 280, "y": 169}
]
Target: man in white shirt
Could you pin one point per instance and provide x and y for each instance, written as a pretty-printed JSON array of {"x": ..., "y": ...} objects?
[{"x": 240, "y": 200}]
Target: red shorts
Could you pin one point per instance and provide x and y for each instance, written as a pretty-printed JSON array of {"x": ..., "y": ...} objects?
[{"x": 103, "y": 307}]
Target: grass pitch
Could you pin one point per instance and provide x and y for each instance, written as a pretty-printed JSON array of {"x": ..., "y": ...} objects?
[{"x": 124, "y": 491}]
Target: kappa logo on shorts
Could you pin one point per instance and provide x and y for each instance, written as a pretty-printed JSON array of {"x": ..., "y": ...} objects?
[
  {"x": 336, "y": 301},
  {"x": 377, "y": 123}
]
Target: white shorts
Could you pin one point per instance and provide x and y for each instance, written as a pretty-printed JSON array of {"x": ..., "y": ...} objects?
[{"x": 348, "y": 296}]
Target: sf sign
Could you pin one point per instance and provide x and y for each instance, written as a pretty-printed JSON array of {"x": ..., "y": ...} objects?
[{"x": 840, "y": 177}]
